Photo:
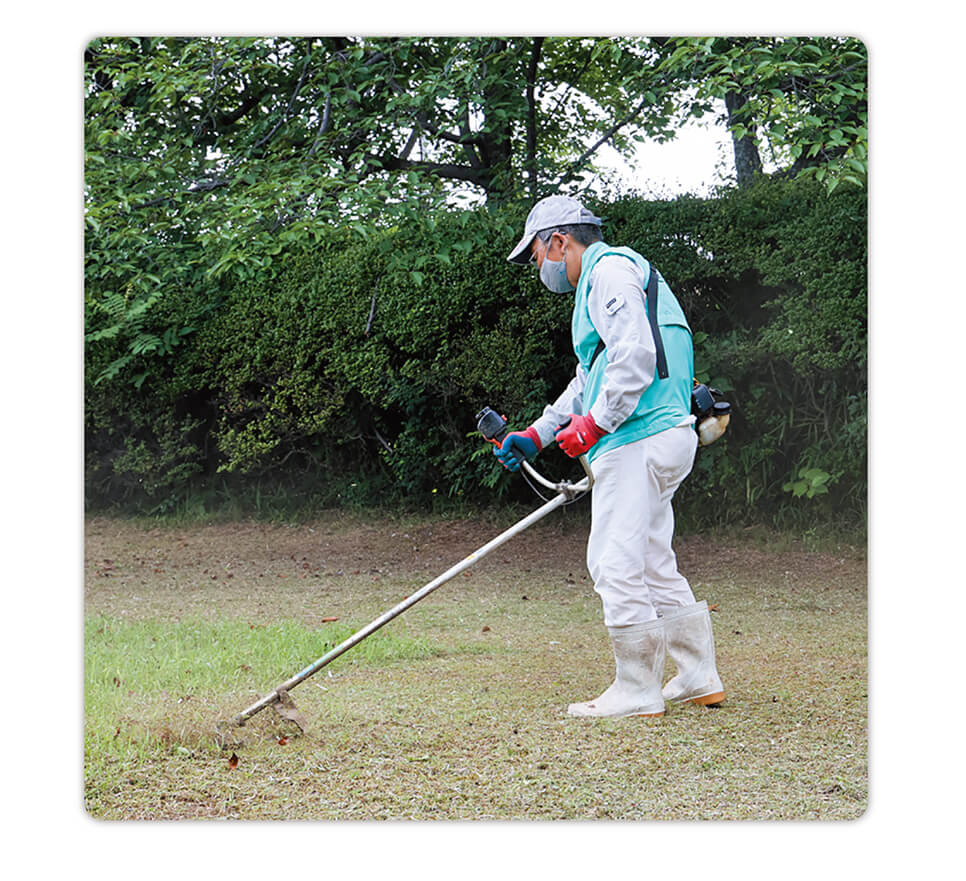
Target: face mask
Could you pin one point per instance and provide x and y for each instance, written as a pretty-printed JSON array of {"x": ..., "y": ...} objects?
[{"x": 553, "y": 273}]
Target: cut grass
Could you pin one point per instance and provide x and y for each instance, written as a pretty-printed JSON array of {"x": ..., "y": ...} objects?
[
  {"x": 159, "y": 681},
  {"x": 151, "y": 656},
  {"x": 457, "y": 710}
]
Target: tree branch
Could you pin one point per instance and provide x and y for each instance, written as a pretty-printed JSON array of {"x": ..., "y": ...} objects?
[
  {"x": 471, "y": 146},
  {"x": 227, "y": 119},
  {"x": 291, "y": 101},
  {"x": 323, "y": 126},
  {"x": 572, "y": 169},
  {"x": 202, "y": 186},
  {"x": 457, "y": 172},
  {"x": 408, "y": 148},
  {"x": 573, "y": 82}
]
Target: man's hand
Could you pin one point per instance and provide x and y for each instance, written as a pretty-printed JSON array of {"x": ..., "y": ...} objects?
[
  {"x": 578, "y": 434},
  {"x": 517, "y": 446}
]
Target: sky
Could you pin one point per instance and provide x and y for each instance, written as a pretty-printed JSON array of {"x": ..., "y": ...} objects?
[{"x": 698, "y": 159}]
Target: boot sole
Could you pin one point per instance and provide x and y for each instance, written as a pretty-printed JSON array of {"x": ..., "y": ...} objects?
[
  {"x": 709, "y": 700},
  {"x": 625, "y": 716}
]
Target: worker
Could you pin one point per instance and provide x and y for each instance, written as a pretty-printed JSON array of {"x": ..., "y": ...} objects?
[{"x": 637, "y": 432}]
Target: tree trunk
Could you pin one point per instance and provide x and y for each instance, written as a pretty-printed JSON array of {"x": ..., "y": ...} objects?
[
  {"x": 495, "y": 146},
  {"x": 747, "y": 160},
  {"x": 530, "y": 161}
]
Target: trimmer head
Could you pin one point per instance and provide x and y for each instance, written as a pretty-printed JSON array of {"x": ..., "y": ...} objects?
[
  {"x": 286, "y": 708},
  {"x": 227, "y": 732}
]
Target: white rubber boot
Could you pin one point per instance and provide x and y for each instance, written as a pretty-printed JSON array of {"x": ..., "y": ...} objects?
[
  {"x": 636, "y": 691},
  {"x": 690, "y": 644}
]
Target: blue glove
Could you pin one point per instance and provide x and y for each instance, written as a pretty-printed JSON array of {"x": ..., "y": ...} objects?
[{"x": 517, "y": 446}]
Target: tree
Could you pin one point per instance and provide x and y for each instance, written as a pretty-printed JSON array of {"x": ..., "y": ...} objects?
[
  {"x": 803, "y": 99},
  {"x": 210, "y": 156}
]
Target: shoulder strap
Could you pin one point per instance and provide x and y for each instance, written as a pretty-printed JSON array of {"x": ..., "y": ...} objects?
[
  {"x": 652, "y": 321},
  {"x": 600, "y": 348}
]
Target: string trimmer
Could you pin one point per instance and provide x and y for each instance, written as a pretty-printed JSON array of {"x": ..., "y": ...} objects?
[{"x": 493, "y": 427}]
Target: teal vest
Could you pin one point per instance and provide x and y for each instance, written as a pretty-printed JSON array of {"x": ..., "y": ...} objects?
[{"x": 665, "y": 402}]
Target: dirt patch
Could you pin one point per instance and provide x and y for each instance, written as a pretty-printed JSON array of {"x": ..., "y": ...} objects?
[
  {"x": 327, "y": 544},
  {"x": 221, "y": 552},
  {"x": 256, "y": 568}
]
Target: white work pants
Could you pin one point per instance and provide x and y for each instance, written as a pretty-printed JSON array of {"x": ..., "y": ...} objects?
[{"x": 629, "y": 553}]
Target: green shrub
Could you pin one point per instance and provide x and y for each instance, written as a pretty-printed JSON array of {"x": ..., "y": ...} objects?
[{"x": 352, "y": 382}]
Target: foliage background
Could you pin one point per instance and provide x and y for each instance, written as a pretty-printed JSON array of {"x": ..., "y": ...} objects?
[
  {"x": 296, "y": 295},
  {"x": 348, "y": 379}
]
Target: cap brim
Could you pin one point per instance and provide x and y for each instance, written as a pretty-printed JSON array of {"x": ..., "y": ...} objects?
[{"x": 521, "y": 253}]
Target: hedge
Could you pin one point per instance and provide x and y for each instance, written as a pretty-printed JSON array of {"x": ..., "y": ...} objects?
[{"x": 341, "y": 382}]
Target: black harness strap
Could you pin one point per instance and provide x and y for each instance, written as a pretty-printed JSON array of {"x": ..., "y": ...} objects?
[
  {"x": 600, "y": 348},
  {"x": 651, "y": 310},
  {"x": 652, "y": 320}
]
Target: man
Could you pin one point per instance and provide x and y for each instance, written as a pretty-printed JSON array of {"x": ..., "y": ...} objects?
[{"x": 637, "y": 431}]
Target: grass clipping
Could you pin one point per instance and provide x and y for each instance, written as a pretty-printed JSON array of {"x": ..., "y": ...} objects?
[{"x": 167, "y": 682}]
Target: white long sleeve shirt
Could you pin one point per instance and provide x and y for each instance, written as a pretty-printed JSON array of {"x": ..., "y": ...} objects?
[{"x": 616, "y": 304}]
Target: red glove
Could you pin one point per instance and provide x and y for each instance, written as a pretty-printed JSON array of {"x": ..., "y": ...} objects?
[{"x": 578, "y": 435}]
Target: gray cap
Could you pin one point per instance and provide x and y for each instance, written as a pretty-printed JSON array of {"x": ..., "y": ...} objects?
[{"x": 552, "y": 212}]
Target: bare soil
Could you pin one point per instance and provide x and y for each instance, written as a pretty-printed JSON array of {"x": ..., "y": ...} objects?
[{"x": 255, "y": 568}]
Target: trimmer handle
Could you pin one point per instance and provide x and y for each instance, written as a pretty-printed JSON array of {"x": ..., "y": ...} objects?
[{"x": 491, "y": 425}]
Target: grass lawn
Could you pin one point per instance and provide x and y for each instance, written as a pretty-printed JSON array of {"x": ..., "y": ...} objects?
[{"x": 457, "y": 709}]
